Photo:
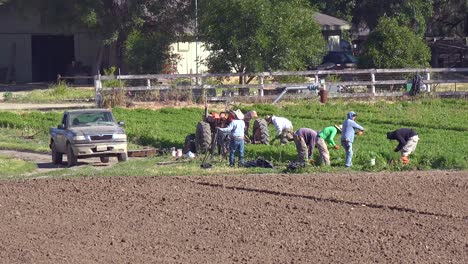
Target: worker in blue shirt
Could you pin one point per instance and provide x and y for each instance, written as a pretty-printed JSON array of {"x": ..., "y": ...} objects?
[
  {"x": 347, "y": 136},
  {"x": 236, "y": 129}
]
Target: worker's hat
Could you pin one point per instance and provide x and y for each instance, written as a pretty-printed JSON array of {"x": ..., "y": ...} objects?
[
  {"x": 339, "y": 127},
  {"x": 239, "y": 114}
]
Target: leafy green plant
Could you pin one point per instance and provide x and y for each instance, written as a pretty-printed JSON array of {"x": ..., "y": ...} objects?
[
  {"x": 60, "y": 89},
  {"x": 7, "y": 96},
  {"x": 440, "y": 124}
]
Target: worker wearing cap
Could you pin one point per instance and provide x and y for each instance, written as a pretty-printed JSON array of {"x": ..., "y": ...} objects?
[
  {"x": 247, "y": 118},
  {"x": 326, "y": 137},
  {"x": 236, "y": 129},
  {"x": 305, "y": 139},
  {"x": 347, "y": 136},
  {"x": 284, "y": 128},
  {"x": 407, "y": 141}
]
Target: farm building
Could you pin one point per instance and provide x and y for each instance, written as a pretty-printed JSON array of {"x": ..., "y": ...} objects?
[{"x": 32, "y": 51}]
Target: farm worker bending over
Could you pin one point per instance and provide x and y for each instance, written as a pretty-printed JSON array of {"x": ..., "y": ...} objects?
[
  {"x": 247, "y": 117},
  {"x": 326, "y": 136},
  {"x": 284, "y": 128},
  {"x": 407, "y": 142},
  {"x": 236, "y": 130},
  {"x": 347, "y": 136},
  {"x": 305, "y": 139}
]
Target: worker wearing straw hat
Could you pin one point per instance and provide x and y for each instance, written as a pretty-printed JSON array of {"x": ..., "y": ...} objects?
[
  {"x": 236, "y": 130},
  {"x": 326, "y": 137}
]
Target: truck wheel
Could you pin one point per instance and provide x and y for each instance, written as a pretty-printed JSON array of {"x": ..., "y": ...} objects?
[
  {"x": 122, "y": 157},
  {"x": 57, "y": 157},
  {"x": 203, "y": 137},
  {"x": 104, "y": 159},
  {"x": 71, "y": 158},
  {"x": 260, "y": 132}
]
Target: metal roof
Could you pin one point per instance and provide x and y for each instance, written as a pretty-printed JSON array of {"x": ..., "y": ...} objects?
[{"x": 331, "y": 23}]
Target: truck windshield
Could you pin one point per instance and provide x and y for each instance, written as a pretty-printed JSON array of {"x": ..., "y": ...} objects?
[{"x": 91, "y": 119}]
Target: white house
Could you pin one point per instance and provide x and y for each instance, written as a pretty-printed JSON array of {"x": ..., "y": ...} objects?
[{"x": 331, "y": 30}]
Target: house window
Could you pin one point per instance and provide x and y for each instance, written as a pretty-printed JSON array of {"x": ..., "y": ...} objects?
[{"x": 182, "y": 46}]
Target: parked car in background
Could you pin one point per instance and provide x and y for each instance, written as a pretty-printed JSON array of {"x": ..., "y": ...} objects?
[{"x": 338, "y": 60}]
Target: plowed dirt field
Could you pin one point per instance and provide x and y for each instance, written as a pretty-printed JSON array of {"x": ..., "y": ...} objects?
[{"x": 407, "y": 217}]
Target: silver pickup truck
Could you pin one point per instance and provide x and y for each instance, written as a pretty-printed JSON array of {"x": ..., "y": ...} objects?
[{"x": 88, "y": 133}]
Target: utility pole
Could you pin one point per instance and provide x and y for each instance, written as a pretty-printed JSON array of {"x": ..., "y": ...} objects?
[{"x": 196, "y": 40}]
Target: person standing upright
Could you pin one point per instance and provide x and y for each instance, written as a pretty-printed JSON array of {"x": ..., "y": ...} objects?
[
  {"x": 347, "y": 136},
  {"x": 236, "y": 129},
  {"x": 407, "y": 142},
  {"x": 326, "y": 136}
]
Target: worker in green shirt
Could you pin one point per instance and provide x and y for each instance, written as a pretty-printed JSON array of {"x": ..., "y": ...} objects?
[{"x": 326, "y": 137}]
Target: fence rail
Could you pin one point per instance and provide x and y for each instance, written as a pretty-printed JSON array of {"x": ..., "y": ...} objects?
[{"x": 369, "y": 81}]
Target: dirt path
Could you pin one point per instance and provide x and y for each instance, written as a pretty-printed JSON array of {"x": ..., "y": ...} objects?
[
  {"x": 44, "y": 161},
  {"x": 417, "y": 217}
]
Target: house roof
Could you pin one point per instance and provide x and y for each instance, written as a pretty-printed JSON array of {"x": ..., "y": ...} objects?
[{"x": 331, "y": 23}]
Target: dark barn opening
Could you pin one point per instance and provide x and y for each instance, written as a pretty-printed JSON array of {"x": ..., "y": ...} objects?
[{"x": 51, "y": 55}]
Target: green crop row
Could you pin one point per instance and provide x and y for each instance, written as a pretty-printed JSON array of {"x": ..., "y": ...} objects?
[{"x": 440, "y": 123}]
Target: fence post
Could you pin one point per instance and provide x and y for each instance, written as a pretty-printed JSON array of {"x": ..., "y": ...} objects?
[
  {"x": 262, "y": 85},
  {"x": 98, "y": 90},
  {"x": 428, "y": 78},
  {"x": 373, "y": 83},
  {"x": 201, "y": 84},
  {"x": 58, "y": 78},
  {"x": 316, "y": 78},
  {"x": 148, "y": 84}
]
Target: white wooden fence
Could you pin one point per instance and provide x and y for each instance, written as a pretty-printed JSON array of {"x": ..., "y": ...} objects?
[{"x": 373, "y": 82}]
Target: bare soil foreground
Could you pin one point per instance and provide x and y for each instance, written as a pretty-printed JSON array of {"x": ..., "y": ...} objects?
[{"x": 408, "y": 217}]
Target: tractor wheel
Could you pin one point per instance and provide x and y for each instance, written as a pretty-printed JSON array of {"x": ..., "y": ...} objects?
[
  {"x": 203, "y": 137},
  {"x": 223, "y": 143},
  {"x": 261, "y": 135},
  {"x": 189, "y": 144}
]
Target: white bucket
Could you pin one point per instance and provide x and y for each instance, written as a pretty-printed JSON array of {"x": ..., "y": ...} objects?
[{"x": 372, "y": 162}]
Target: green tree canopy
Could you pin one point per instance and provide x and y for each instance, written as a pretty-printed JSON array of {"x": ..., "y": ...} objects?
[
  {"x": 411, "y": 13},
  {"x": 260, "y": 35},
  {"x": 450, "y": 19},
  {"x": 392, "y": 45}
]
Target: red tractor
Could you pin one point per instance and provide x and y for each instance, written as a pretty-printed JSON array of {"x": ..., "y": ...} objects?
[{"x": 206, "y": 139}]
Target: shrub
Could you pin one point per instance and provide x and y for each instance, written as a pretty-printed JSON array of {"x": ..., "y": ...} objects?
[{"x": 7, "y": 96}]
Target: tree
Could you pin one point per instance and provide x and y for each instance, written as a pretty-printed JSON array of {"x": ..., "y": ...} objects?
[
  {"x": 260, "y": 35},
  {"x": 450, "y": 19},
  {"x": 411, "y": 13},
  {"x": 392, "y": 45}
]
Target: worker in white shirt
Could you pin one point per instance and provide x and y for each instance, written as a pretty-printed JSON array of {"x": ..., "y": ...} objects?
[{"x": 284, "y": 128}]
